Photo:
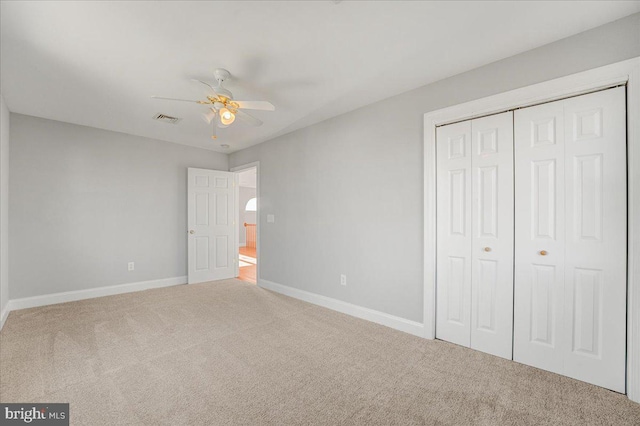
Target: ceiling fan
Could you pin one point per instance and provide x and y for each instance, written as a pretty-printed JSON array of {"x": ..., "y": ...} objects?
[{"x": 222, "y": 108}]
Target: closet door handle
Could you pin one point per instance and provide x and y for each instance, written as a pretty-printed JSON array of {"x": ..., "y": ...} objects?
[
  {"x": 543, "y": 253},
  {"x": 487, "y": 249}
]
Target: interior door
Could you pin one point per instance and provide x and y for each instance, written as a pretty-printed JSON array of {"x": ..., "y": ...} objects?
[
  {"x": 492, "y": 234},
  {"x": 540, "y": 236},
  {"x": 211, "y": 225},
  {"x": 454, "y": 233},
  {"x": 475, "y": 234},
  {"x": 571, "y": 249},
  {"x": 596, "y": 237}
]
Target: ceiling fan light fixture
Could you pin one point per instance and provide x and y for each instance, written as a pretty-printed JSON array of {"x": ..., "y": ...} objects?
[
  {"x": 222, "y": 109},
  {"x": 226, "y": 116}
]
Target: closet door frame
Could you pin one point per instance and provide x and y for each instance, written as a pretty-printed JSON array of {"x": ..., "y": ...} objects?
[{"x": 620, "y": 73}]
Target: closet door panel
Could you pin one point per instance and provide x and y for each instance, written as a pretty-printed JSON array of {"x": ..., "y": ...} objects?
[
  {"x": 571, "y": 247},
  {"x": 539, "y": 239},
  {"x": 596, "y": 238},
  {"x": 492, "y": 234},
  {"x": 453, "y": 295}
]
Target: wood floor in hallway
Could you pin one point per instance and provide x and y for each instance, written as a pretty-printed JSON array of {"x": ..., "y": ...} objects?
[{"x": 248, "y": 273}]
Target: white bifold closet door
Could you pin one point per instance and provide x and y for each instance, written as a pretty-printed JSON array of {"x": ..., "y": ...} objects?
[
  {"x": 453, "y": 218},
  {"x": 570, "y": 237},
  {"x": 475, "y": 234}
]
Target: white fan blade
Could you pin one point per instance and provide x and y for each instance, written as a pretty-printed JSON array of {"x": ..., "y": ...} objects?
[
  {"x": 209, "y": 116},
  {"x": 206, "y": 84},
  {"x": 174, "y": 99},
  {"x": 261, "y": 105},
  {"x": 248, "y": 118}
]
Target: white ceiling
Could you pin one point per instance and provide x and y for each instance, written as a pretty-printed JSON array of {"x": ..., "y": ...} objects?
[{"x": 98, "y": 63}]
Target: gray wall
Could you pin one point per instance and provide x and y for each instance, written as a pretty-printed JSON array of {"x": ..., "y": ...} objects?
[
  {"x": 347, "y": 193},
  {"x": 85, "y": 201},
  {"x": 250, "y": 217},
  {"x": 4, "y": 204}
]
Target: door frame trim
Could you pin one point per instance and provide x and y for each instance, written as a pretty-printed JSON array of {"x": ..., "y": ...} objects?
[
  {"x": 625, "y": 72},
  {"x": 236, "y": 169}
]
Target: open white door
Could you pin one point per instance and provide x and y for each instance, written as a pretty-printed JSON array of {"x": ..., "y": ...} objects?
[{"x": 211, "y": 225}]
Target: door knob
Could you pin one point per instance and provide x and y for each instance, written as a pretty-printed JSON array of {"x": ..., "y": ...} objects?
[
  {"x": 487, "y": 249},
  {"x": 192, "y": 231},
  {"x": 543, "y": 253}
]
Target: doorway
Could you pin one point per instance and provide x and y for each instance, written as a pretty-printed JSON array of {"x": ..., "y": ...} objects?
[{"x": 247, "y": 183}]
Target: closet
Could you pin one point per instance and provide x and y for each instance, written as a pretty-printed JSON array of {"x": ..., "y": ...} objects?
[
  {"x": 475, "y": 233},
  {"x": 532, "y": 236}
]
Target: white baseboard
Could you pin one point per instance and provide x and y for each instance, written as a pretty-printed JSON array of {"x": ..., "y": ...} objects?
[
  {"x": 3, "y": 315},
  {"x": 71, "y": 296},
  {"x": 402, "y": 324}
]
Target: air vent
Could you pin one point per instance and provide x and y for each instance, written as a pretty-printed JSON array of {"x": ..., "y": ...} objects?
[{"x": 166, "y": 118}]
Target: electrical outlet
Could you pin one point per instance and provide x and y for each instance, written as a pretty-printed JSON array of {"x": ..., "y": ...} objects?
[
  {"x": 343, "y": 279},
  {"x": 131, "y": 266},
  {"x": 271, "y": 218}
]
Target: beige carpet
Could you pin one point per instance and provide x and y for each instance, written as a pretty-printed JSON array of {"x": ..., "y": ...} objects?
[{"x": 231, "y": 353}]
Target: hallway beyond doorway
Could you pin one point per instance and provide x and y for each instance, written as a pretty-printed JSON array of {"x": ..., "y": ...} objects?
[
  {"x": 247, "y": 183},
  {"x": 247, "y": 261}
]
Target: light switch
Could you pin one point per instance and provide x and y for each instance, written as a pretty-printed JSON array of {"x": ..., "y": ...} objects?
[{"x": 271, "y": 218}]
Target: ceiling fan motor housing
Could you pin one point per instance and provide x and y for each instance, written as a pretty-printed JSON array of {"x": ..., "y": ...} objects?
[{"x": 221, "y": 74}]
